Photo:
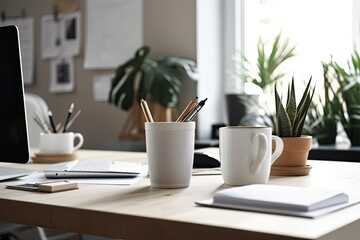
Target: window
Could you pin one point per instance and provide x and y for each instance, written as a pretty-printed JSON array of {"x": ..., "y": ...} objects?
[{"x": 319, "y": 29}]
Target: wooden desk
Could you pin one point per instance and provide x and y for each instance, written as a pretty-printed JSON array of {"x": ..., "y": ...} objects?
[{"x": 142, "y": 212}]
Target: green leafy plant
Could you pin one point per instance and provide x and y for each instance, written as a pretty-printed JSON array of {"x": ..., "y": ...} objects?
[
  {"x": 265, "y": 72},
  {"x": 349, "y": 89},
  {"x": 143, "y": 78},
  {"x": 290, "y": 119},
  {"x": 324, "y": 115},
  {"x": 267, "y": 67}
]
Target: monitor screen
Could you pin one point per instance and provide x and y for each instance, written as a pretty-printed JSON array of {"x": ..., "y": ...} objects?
[{"x": 13, "y": 127}]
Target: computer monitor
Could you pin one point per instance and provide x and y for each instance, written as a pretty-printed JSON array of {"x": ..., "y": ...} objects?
[{"x": 14, "y": 143}]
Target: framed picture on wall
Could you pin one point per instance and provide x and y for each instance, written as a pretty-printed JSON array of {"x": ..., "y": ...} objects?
[{"x": 62, "y": 75}]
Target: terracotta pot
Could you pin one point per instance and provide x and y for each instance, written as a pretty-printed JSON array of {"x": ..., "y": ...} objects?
[{"x": 295, "y": 153}]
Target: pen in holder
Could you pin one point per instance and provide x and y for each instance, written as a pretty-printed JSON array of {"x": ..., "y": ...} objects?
[
  {"x": 170, "y": 153},
  {"x": 170, "y": 147},
  {"x": 189, "y": 113},
  {"x": 57, "y": 144},
  {"x": 58, "y": 128}
]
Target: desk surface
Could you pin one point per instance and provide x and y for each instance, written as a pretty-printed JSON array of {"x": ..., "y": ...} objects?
[{"x": 141, "y": 212}]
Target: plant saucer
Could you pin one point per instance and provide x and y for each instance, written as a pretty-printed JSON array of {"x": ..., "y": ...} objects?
[
  {"x": 290, "y": 171},
  {"x": 53, "y": 158}
]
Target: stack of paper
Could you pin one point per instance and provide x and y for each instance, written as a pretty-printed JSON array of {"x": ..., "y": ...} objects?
[{"x": 287, "y": 200}]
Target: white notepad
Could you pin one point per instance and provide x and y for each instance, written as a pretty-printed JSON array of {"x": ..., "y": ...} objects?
[{"x": 287, "y": 200}]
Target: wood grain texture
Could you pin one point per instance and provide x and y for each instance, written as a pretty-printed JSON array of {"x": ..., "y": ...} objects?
[{"x": 142, "y": 212}]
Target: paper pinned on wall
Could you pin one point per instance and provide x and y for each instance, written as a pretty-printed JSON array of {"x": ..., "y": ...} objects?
[
  {"x": 26, "y": 33},
  {"x": 60, "y": 37},
  {"x": 101, "y": 87},
  {"x": 62, "y": 75},
  {"x": 113, "y": 32}
]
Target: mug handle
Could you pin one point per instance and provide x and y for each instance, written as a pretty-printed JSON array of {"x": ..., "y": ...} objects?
[
  {"x": 261, "y": 155},
  {"x": 81, "y": 140},
  {"x": 279, "y": 146}
]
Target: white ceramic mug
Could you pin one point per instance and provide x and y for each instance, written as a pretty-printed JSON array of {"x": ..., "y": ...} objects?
[
  {"x": 60, "y": 143},
  {"x": 170, "y": 153},
  {"x": 246, "y": 154}
]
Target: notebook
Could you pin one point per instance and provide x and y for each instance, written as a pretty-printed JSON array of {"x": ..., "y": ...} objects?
[
  {"x": 285, "y": 200},
  {"x": 93, "y": 169}
]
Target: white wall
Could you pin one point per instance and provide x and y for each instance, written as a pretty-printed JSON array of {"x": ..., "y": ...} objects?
[{"x": 209, "y": 59}]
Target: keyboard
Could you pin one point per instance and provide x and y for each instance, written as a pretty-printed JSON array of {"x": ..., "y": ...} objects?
[
  {"x": 93, "y": 168},
  {"x": 101, "y": 166}
]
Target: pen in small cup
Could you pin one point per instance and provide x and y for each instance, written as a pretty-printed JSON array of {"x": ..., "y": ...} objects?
[
  {"x": 38, "y": 120},
  {"x": 68, "y": 116},
  {"x": 52, "y": 121}
]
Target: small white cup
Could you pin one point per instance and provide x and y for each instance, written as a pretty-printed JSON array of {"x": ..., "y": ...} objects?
[
  {"x": 246, "y": 154},
  {"x": 60, "y": 143},
  {"x": 170, "y": 153}
]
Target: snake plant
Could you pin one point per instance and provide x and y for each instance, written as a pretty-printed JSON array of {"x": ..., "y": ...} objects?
[
  {"x": 290, "y": 119},
  {"x": 141, "y": 77}
]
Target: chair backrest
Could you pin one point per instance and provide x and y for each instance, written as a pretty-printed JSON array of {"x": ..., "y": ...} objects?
[{"x": 35, "y": 104}]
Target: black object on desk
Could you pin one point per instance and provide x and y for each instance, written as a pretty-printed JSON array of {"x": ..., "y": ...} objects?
[
  {"x": 335, "y": 153},
  {"x": 205, "y": 143},
  {"x": 203, "y": 160}
]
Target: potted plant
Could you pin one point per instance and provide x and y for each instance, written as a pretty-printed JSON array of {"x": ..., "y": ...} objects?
[
  {"x": 349, "y": 88},
  {"x": 289, "y": 125},
  {"x": 323, "y": 117},
  {"x": 158, "y": 82},
  {"x": 266, "y": 73}
]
